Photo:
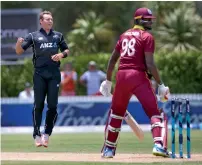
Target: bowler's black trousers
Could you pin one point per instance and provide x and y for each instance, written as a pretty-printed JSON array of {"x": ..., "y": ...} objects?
[{"x": 46, "y": 86}]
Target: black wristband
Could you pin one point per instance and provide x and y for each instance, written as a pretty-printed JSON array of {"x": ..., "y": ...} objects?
[{"x": 64, "y": 54}]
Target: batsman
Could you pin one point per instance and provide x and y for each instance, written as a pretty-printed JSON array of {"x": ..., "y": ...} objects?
[{"x": 135, "y": 48}]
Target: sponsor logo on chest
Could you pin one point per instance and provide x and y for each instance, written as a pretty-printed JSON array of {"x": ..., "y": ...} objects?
[{"x": 48, "y": 45}]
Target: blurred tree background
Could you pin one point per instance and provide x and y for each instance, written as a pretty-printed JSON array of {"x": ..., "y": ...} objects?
[
  {"x": 99, "y": 24},
  {"x": 93, "y": 27}
]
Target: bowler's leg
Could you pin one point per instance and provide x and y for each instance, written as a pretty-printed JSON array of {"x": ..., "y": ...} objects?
[
  {"x": 51, "y": 114},
  {"x": 39, "y": 97},
  {"x": 52, "y": 100}
]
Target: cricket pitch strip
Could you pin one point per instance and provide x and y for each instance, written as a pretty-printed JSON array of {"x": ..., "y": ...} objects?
[{"x": 91, "y": 157}]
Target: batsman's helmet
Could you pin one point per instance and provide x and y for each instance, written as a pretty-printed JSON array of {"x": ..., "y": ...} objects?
[{"x": 143, "y": 17}]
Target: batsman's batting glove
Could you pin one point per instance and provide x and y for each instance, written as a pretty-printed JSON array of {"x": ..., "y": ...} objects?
[
  {"x": 163, "y": 92},
  {"x": 105, "y": 88}
]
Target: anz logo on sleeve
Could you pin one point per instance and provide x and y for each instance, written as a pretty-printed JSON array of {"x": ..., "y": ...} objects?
[{"x": 48, "y": 45}]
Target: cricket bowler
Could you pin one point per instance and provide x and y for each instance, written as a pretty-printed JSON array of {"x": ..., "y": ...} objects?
[
  {"x": 135, "y": 48},
  {"x": 45, "y": 44}
]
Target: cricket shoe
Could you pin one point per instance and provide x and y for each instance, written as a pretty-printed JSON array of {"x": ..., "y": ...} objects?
[
  {"x": 45, "y": 139},
  {"x": 38, "y": 142},
  {"x": 108, "y": 152},
  {"x": 158, "y": 150}
]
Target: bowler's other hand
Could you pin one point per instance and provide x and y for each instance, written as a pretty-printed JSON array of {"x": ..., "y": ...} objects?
[
  {"x": 105, "y": 88},
  {"x": 57, "y": 57}
]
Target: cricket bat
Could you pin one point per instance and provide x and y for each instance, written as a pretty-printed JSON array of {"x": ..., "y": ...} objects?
[{"x": 134, "y": 125}]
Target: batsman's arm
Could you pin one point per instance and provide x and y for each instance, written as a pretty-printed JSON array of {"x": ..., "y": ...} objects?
[
  {"x": 149, "y": 47},
  {"x": 111, "y": 64},
  {"x": 152, "y": 67},
  {"x": 163, "y": 91}
]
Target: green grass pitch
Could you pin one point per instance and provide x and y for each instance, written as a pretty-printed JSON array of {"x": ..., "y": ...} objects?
[{"x": 90, "y": 143}]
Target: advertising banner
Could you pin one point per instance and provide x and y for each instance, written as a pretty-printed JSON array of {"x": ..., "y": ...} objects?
[
  {"x": 17, "y": 23},
  {"x": 89, "y": 113}
]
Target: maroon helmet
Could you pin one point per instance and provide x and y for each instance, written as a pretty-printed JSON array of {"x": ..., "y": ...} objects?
[{"x": 143, "y": 17}]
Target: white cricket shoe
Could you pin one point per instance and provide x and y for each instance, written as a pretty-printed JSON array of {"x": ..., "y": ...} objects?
[
  {"x": 108, "y": 152},
  {"x": 38, "y": 142},
  {"x": 158, "y": 150},
  {"x": 45, "y": 139}
]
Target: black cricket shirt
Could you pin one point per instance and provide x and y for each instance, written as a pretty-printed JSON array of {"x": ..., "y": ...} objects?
[{"x": 44, "y": 46}]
